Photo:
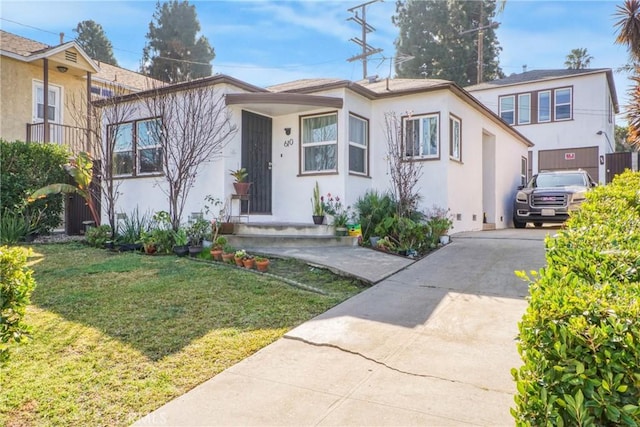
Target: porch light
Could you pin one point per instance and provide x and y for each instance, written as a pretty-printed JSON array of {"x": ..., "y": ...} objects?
[
  {"x": 287, "y": 131},
  {"x": 62, "y": 68}
]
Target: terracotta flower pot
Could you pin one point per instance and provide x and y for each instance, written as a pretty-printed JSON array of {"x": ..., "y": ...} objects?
[
  {"x": 239, "y": 262},
  {"x": 227, "y": 257},
  {"x": 262, "y": 265},
  {"x": 248, "y": 262},
  {"x": 216, "y": 254},
  {"x": 242, "y": 188}
]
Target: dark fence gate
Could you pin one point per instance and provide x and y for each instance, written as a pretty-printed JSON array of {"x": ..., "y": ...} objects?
[
  {"x": 618, "y": 162},
  {"x": 77, "y": 211}
]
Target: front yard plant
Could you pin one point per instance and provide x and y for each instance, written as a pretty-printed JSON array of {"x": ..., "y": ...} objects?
[
  {"x": 117, "y": 335},
  {"x": 580, "y": 336}
]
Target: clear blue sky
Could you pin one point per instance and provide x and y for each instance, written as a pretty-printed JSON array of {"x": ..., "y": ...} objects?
[{"x": 269, "y": 42}]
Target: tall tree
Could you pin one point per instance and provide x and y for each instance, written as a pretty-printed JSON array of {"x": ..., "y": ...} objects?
[
  {"x": 442, "y": 37},
  {"x": 578, "y": 59},
  {"x": 173, "y": 53},
  {"x": 629, "y": 27},
  {"x": 94, "y": 41}
]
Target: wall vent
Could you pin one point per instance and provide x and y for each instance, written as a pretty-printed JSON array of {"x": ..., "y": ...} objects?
[{"x": 70, "y": 56}]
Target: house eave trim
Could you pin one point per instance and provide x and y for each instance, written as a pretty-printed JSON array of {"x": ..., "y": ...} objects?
[{"x": 283, "y": 99}]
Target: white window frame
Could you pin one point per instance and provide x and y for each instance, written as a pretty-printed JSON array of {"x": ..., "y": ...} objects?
[
  {"x": 556, "y": 104},
  {"x": 421, "y": 120},
  {"x": 526, "y": 111},
  {"x": 548, "y": 93},
  {"x": 139, "y": 147},
  {"x": 360, "y": 145},
  {"x": 524, "y": 168},
  {"x": 304, "y": 145},
  {"x": 455, "y": 138},
  {"x": 38, "y": 86},
  {"x": 504, "y": 110}
]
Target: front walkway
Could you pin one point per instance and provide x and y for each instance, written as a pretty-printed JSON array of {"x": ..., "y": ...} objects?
[{"x": 432, "y": 345}]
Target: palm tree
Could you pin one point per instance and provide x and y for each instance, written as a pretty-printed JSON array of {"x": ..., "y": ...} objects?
[
  {"x": 578, "y": 59},
  {"x": 629, "y": 27}
]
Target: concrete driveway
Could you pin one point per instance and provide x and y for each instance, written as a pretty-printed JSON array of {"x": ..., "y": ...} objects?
[{"x": 431, "y": 345}]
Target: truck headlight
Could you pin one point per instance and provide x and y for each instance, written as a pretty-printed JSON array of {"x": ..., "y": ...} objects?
[{"x": 521, "y": 197}]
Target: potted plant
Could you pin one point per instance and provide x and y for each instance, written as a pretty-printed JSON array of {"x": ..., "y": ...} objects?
[
  {"x": 223, "y": 224},
  {"x": 181, "y": 243},
  {"x": 240, "y": 184},
  {"x": 196, "y": 234},
  {"x": 317, "y": 204},
  {"x": 239, "y": 256},
  {"x": 248, "y": 261},
  {"x": 227, "y": 254},
  {"x": 262, "y": 263},
  {"x": 333, "y": 206},
  {"x": 148, "y": 242},
  {"x": 440, "y": 222},
  {"x": 217, "y": 248}
]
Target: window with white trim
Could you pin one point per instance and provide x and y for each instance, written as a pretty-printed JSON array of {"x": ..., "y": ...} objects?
[
  {"x": 455, "y": 138},
  {"x": 54, "y": 102},
  {"x": 137, "y": 147},
  {"x": 524, "y": 109},
  {"x": 319, "y": 143},
  {"x": 358, "y": 144},
  {"x": 508, "y": 109},
  {"x": 523, "y": 171},
  {"x": 422, "y": 136},
  {"x": 562, "y": 104},
  {"x": 544, "y": 106}
]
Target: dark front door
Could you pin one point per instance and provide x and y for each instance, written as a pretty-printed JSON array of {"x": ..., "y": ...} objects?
[
  {"x": 256, "y": 157},
  {"x": 77, "y": 211},
  {"x": 617, "y": 163}
]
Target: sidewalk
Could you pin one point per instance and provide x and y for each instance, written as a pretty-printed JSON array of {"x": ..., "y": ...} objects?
[{"x": 432, "y": 345}]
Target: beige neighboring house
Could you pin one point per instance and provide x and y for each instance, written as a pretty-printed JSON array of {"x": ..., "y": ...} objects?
[{"x": 63, "y": 78}]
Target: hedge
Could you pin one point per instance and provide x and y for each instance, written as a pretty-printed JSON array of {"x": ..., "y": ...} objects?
[
  {"x": 579, "y": 338},
  {"x": 16, "y": 285},
  {"x": 25, "y": 167}
]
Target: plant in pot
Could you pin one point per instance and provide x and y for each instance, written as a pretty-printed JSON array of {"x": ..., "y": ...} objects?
[
  {"x": 317, "y": 205},
  {"x": 196, "y": 234},
  {"x": 223, "y": 215},
  {"x": 239, "y": 256},
  {"x": 148, "y": 242},
  {"x": 440, "y": 221},
  {"x": 240, "y": 184},
  {"x": 262, "y": 263},
  {"x": 333, "y": 206},
  {"x": 228, "y": 252},
  {"x": 248, "y": 261},
  {"x": 181, "y": 242},
  {"x": 217, "y": 248}
]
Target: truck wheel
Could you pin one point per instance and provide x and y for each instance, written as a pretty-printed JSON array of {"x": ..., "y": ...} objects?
[
  {"x": 518, "y": 224},
  {"x": 537, "y": 224}
]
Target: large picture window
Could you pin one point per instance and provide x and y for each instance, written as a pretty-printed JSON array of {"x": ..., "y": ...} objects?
[
  {"x": 137, "y": 148},
  {"x": 455, "y": 141},
  {"x": 422, "y": 136},
  {"x": 524, "y": 109},
  {"x": 358, "y": 144},
  {"x": 319, "y": 143}
]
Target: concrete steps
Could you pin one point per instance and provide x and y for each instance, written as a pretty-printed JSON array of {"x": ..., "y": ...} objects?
[{"x": 248, "y": 235}]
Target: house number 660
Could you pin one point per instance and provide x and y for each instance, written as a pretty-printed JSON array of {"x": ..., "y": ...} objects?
[{"x": 288, "y": 142}]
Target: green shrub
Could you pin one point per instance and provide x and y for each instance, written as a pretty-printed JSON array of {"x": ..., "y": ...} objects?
[
  {"x": 130, "y": 228},
  {"x": 98, "y": 236},
  {"x": 16, "y": 285},
  {"x": 13, "y": 227},
  {"x": 580, "y": 336},
  {"x": 25, "y": 167},
  {"x": 373, "y": 208}
]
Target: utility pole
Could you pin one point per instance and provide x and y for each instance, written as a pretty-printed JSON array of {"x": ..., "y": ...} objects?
[
  {"x": 480, "y": 31},
  {"x": 366, "y": 28}
]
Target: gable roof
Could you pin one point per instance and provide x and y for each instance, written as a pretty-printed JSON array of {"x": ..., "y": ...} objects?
[
  {"x": 547, "y": 75},
  {"x": 27, "y": 50}
]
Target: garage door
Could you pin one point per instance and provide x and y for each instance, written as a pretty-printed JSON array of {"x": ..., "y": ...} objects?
[{"x": 585, "y": 158}]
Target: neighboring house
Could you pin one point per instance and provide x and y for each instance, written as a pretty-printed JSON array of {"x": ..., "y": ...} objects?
[
  {"x": 62, "y": 77},
  {"x": 333, "y": 132},
  {"x": 568, "y": 114}
]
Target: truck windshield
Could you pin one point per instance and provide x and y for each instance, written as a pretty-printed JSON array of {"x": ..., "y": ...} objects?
[{"x": 559, "y": 180}]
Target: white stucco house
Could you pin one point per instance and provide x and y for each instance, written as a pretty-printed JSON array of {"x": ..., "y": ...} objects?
[
  {"x": 568, "y": 114},
  {"x": 333, "y": 131}
]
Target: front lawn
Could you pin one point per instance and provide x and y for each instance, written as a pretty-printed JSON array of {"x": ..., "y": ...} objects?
[{"x": 115, "y": 336}]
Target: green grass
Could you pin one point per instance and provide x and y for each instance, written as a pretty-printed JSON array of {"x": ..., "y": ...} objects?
[{"x": 115, "y": 336}]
